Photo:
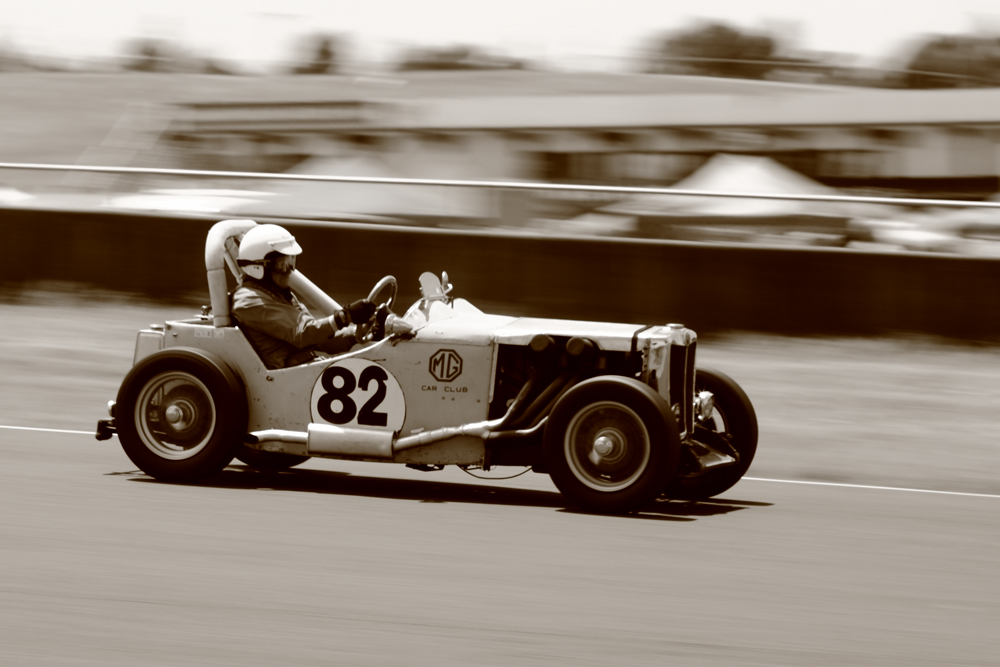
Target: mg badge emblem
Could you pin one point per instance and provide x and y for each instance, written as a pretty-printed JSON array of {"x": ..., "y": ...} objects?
[{"x": 445, "y": 365}]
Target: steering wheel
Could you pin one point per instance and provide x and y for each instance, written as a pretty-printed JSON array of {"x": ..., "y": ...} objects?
[{"x": 362, "y": 329}]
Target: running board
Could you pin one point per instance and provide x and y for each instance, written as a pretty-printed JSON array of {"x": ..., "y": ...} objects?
[
  {"x": 325, "y": 440},
  {"x": 328, "y": 440}
]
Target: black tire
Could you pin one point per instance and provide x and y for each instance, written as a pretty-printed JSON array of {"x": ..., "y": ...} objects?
[
  {"x": 258, "y": 459},
  {"x": 181, "y": 415},
  {"x": 636, "y": 429},
  {"x": 735, "y": 419}
]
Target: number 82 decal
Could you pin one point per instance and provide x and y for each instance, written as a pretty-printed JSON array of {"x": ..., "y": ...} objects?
[{"x": 358, "y": 392}]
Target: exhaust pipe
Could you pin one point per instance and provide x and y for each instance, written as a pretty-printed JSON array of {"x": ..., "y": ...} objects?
[{"x": 359, "y": 443}]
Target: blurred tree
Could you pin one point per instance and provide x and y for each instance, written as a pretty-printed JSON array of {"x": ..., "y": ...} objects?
[
  {"x": 955, "y": 61},
  {"x": 323, "y": 58},
  {"x": 13, "y": 61},
  {"x": 154, "y": 55},
  {"x": 715, "y": 49},
  {"x": 455, "y": 57},
  {"x": 212, "y": 66},
  {"x": 146, "y": 54}
]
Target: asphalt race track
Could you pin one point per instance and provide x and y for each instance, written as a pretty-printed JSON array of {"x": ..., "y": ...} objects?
[
  {"x": 367, "y": 564},
  {"x": 372, "y": 564}
]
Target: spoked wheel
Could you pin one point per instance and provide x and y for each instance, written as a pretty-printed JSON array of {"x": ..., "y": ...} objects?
[
  {"x": 611, "y": 445},
  {"x": 260, "y": 460},
  {"x": 733, "y": 423},
  {"x": 181, "y": 415}
]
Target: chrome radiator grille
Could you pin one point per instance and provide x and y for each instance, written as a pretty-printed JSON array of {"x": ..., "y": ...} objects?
[
  {"x": 670, "y": 369},
  {"x": 681, "y": 387}
]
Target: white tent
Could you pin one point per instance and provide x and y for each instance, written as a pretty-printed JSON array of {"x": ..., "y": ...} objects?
[
  {"x": 187, "y": 200},
  {"x": 12, "y": 197},
  {"x": 744, "y": 174},
  {"x": 958, "y": 219},
  {"x": 971, "y": 230}
]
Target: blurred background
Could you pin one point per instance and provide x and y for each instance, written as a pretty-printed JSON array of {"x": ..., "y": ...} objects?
[
  {"x": 858, "y": 98},
  {"x": 865, "y": 335}
]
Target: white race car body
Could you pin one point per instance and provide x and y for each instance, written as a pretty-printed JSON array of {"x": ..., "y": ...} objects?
[
  {"x": 616, "y": 413},
  {"x": 442, "y": 375}
]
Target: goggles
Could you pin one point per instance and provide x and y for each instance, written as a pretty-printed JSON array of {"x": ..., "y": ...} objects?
[{"x": 283, "y": 265}]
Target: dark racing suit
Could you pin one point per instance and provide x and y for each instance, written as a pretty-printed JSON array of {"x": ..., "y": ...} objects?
[{"x": 280, "y": 328}]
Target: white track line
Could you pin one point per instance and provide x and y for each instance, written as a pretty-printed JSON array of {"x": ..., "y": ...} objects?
[
  {"x": 880, "y": 488},
  {"x": 752, "y": 479},
  {"x": 47, "y": 430}
]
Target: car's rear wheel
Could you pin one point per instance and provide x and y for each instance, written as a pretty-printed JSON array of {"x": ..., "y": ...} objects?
[
  {"x": 735, "y": 422},
  {"x": 181, "y": 415},
  {"x": 261, "y": 460},
  {"x": 611, "y": 445}
]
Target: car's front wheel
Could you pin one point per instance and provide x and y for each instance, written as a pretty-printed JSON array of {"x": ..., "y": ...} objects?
[
  {"x": 611, "y": 445},
  {"x": 181, "y": 415},
  {"x": 734, "y": 421}
]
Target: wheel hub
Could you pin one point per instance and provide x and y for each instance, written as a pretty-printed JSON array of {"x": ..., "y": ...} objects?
[
  {"x": 181, "y": 415},
  {"x": 603, "y": 446},
  {"x": 174, "y": 414},
  {"x": 607, "y": 446}
]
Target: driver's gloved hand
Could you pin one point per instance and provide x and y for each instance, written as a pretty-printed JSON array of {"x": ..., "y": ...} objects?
[
  {"x": 361, "y": 310},
  {"x": 378, "y": 331},
  {"x": 382, "y": 315},
  {"x": 358, "y": 312}
]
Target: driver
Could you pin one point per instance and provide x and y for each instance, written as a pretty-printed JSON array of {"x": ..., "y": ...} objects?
[{"x": 280, "y": 328}]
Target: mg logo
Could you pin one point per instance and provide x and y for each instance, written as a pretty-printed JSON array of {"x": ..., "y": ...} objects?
[{"x": 445, "y": 365}]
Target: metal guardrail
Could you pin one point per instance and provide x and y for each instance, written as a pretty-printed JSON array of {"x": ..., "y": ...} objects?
[{"x": 500, "y": 185}]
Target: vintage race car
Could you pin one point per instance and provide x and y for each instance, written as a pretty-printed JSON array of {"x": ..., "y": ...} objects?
[{"x": 617, "y": 414}]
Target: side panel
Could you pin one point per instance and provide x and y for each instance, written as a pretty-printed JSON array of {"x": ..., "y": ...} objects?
[
  {"x": 278, "y": 399},
  {"x": 444, "y": 383}
]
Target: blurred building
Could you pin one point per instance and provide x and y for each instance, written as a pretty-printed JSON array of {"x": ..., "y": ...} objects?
[{"x": 600, "y": 129}]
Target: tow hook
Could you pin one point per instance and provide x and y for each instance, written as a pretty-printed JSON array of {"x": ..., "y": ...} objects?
[{"x": 105, "y": 429}]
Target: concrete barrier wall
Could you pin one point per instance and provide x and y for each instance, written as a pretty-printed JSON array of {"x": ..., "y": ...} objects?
[{"x": 710, "y": 288}]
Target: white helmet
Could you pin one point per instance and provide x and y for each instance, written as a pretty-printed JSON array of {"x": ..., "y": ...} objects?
[{"x": 261, "y": 240}]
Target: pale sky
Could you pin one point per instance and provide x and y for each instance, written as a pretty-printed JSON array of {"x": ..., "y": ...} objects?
[{"x": 584, "y": 33}]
